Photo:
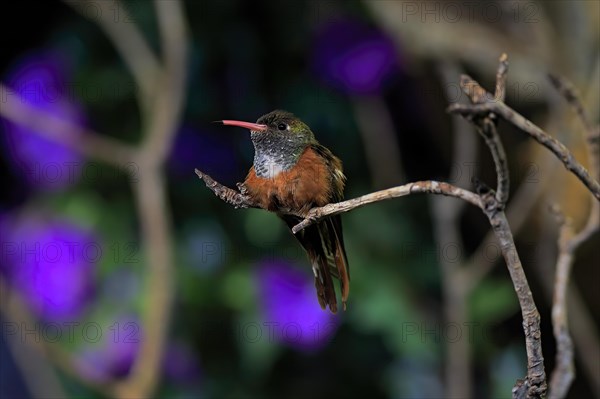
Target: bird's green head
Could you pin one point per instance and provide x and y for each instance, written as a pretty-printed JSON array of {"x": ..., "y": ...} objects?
[
  {"x": 284, "y": 125},
  {"x": 279, "y": 139}
]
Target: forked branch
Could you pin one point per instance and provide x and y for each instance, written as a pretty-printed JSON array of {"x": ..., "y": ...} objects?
[{"x": 524, "y": 124}]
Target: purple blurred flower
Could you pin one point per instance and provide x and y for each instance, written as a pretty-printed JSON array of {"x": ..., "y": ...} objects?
[
  {"x": 203, "y": 150},
  {"x": 52, "y": 263},
  {"x": 353, "y": 57},
  {"x": 290, "y": 307},
  {"x": 40, "y": 79},
  {"x": 115, "y": 355},
  {"x": 180, "y": 365}
]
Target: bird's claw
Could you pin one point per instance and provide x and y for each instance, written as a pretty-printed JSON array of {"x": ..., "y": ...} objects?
[{"x": 242, "y": 188}]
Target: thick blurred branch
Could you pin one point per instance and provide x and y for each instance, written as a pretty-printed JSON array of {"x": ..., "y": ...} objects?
[
  {"x": 170, "y": 87},
  {"x": 564, "y": 370},
  {"x": 424, "y": 35},
  {"x": 37, "y": 356},
  {"x": 379, "y": 140},
  {"x": 116, "y": 22},
  {"x": 94, "y": 145},
  {"x": 581, "y": 319},
  {"x": 151, "y": 198},
  {"x": 39, "y": 375},
  {"x": 446, "y": 228},
  {"x": 162, "y": 98}
]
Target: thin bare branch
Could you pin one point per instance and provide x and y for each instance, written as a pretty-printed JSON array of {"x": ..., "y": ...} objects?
[
  {"x": 488, "y": 130},
  {"x": 536, "y": 374},
  {"x": 501, "y": 74},
  {"x": 486, "y": 126},
  {"x": 429, "y": 186},
  {"x": 235, "y": 198},
  {"x": 534, "y": 386},
  {"x": 521, "y": 205},
  {"x": 564, "y": 370},
  {"x": 519, "y": 209},
  {"x": 473, "y": 90},
  {"x": 556, "y": 147},
  {"x": 239, "y": 200},
  {"x": 570, "y": 94},
  {"x": 536, "y": 377}
]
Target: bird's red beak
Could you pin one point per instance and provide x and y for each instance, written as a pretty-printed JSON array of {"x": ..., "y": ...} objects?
[{"x": 247, "y": 125}]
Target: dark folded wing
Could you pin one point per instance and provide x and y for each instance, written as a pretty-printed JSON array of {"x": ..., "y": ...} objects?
[{"x": 318, "y": 243}]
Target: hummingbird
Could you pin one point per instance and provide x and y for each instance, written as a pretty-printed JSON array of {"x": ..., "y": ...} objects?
[{"x": 292, "y": 173}]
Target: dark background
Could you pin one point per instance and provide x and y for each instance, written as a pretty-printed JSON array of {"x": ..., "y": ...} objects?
[{"x": 372, "y": 79}]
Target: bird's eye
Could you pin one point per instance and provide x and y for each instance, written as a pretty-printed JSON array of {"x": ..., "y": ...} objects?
[{"x": 282, "y": 126}]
